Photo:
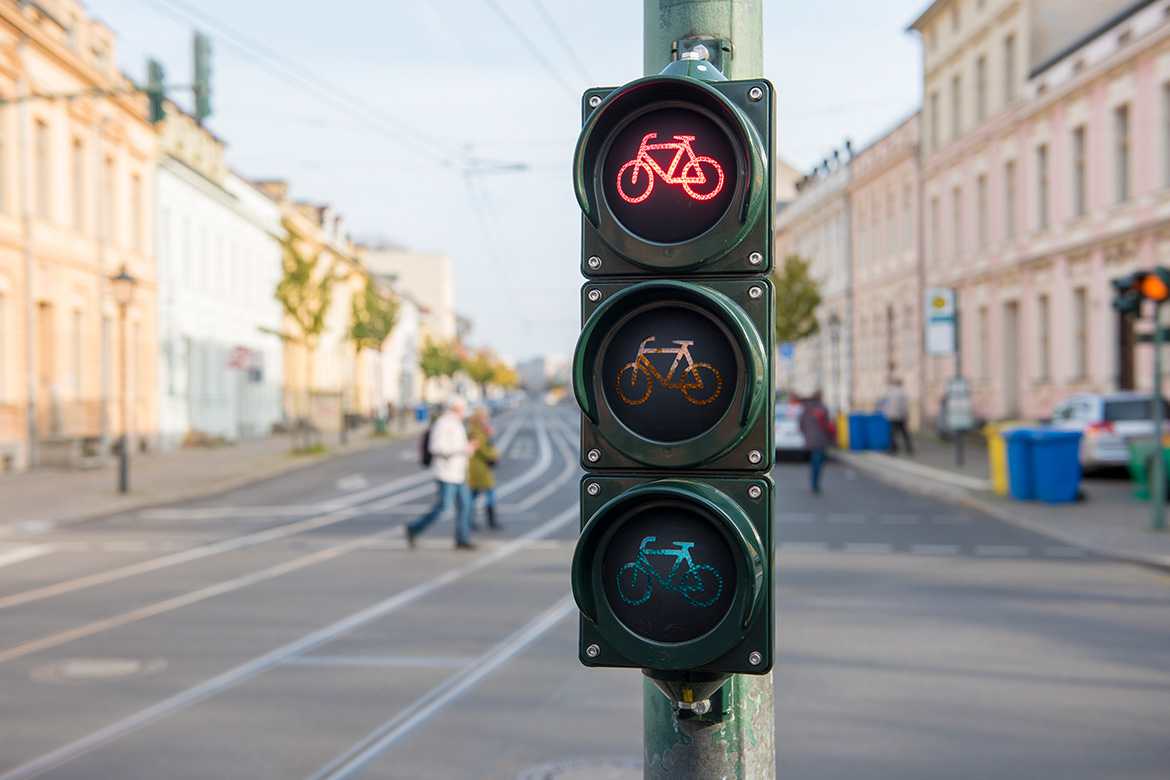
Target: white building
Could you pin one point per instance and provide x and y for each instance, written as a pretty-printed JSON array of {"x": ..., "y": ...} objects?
[
  {"x": 816, "y": 225},
  {"x": 397, "y": 378},
  {"x": 219, "y": 260}
]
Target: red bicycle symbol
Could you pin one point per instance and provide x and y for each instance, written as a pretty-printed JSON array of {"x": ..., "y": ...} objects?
[{"x": 695, "y": 181}]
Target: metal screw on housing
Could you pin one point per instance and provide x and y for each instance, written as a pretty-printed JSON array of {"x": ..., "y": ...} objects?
[
  {"x": 594, "y": 101},
  {"x": 755, "y": 491},
  {"x": 755, "y": 94},
  {"x": 755, "y": 258},
  {"x": 755, "y": 659},
  {"x": 594, "y": 295},
  {"x": 594, "y": 262},
  {"x": 593, "y": 488},
  {"x": 755, "y": 456},
  {"x": 593, "y": 456},
  {"x": 755, "y": 292},
  {"x": 700, "y": 52},
  {"x": 593, "y": 651}
]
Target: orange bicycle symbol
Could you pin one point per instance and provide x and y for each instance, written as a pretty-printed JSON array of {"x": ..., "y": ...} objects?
[
  {"x": 701, "y": 177},
  {"x": 699, "y": 383}
]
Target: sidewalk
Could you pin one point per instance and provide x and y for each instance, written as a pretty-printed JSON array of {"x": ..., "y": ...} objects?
[
  {"x": 42, "y": 498},
  {"x": 1109, "y": 522}
]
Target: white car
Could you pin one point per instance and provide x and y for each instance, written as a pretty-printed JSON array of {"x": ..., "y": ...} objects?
[
  {"x": 1108, "y": 424},
  {"x": 789, "y": 439}
]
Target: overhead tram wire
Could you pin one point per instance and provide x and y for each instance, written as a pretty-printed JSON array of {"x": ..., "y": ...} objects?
[
  {"x": 532, "y": 48},
  {"x": 277, "y": 65},
  {"x": 551, "y": 24}
]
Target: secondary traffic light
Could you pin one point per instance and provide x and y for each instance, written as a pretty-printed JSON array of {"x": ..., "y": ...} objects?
[
  {"x": 1131, "y": 290},
  {"x": 156, "y": 90},
  {"x": 673, "y": 374}
]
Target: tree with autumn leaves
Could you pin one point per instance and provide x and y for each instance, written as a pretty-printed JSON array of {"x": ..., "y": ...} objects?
[{"x": 446, "y": 359}]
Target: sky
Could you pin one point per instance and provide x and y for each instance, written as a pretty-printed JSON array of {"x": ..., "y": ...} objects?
[{"x": 394, "y": 112}]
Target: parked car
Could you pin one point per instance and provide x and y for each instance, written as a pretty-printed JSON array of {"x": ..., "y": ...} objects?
[
  {"x": 789, "y": 439},
  {"x": 1108, "y": 423}
]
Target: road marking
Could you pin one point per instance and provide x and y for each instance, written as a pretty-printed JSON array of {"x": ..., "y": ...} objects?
[
  {"x": 900, "y": 520},
  {"x": 238, "y": 542},
  {"x": 236, "y": 583},
  {"x": 540, "y": 495},
  {"x": 850, "y": 519},
  {"x": 1065, "y": 552},
  {"x": 422, "y": 709},
  {"x": 870, "y": 548},
  {"x": 800, "y": 518},
  {"x": 380, "y": 661},
  {"x": 126, "y": 545},
  {"x": 352, "y": 482},
  {"x": 248, "y": 670},
  {"x": 1001, "y": 550},
  {"x": 934, "y": 549},
  {"x": 804, "y": 547},
  {"x": 950, "y": 520},
  {"x": 13, "y": 556}
]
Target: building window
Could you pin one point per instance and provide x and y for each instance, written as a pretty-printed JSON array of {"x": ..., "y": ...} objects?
[
  {"x": 107, "y": 206},
  {"x": 984, "y": 365},
  {"x": 75, "y": 356},
  {"x": 3, "y": 348},
  {"x": 981, "y": 88},
  {"x": 136, "y": 211},
  {"x": 1042, "y": 187},
  {"x": 1080, "y": 329},
  {"x": 957, "y": 211},
  {"x": 1009, "y": 70},
  {"x": 891, "y": 224},
  {"x": 1166, "y": 134},
  {"x": 935, "y": 230},
  {"x": 934, "y": 122},
  {"x": 981, "y": 211},
  {"x": 956, "y": 105},
  {"x": 1043, "y": 337},
  {"x": 908, "y": 218},
  {"x": 1080, "y": 182},
  {"x": 1009, "y": 200},
  {"x": 44, "y": 168},
  {"x": 1121, "y": 132},
  {"x": 78, "y": 185}
]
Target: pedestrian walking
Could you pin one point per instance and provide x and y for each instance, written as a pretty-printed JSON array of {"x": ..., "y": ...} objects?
[
  {"x": 481, "y": 475},
  {"x": 447, "y": 447},
  {"x": 819, "y": 432},
  {"x": 896, "y": 407}
]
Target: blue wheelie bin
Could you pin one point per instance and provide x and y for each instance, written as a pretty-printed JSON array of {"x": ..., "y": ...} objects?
[
  {"x": 858, "y": 432},
  {"x": 1021, "y": 479},
  {"x": 1056, "y": 465},
  {"x": 877, "y": 428}
]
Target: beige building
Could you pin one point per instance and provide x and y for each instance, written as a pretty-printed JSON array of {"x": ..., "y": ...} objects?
[
  {"x": 76, "y": 179},
  {"x": 1046, "y": 174},
  {"x": 427, "y": 278},
  {"x": 887, "y": 327}
]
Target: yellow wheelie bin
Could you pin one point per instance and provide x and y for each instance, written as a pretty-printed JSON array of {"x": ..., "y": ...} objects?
[{"x": 997, "y": 454}]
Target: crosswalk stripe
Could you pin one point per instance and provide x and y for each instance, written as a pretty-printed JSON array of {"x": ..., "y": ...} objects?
[{"x": 13, "y": 556}]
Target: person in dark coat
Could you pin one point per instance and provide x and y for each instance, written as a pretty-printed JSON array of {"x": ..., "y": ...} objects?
[
  {"x": 481, "y": 474},
  {"x": 819, "y": 432}
]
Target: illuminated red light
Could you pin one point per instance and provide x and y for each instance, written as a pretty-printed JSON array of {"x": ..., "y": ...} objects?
[{"x": 696, "y": 175}]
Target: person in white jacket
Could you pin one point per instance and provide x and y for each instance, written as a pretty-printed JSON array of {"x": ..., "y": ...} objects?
[{"x": 450, "y": 451}]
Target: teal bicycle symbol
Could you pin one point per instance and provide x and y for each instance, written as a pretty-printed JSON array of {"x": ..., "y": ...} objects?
[{"x": 698, "y": 584}]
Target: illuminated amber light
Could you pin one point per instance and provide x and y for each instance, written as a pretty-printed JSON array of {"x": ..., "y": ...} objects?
[
  {"x": 1154, "y": 288},
  {"x": 695, "y": 176}
]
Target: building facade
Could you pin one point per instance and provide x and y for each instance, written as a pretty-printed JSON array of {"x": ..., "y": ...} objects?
[
  {"x": 219, "y": 261},
  {"x": 76, "y": 206},
  {"x": 1046, "y": 173},
  {"x": 427, "y": 279},
  {"x": 816, "y": 226},
  {"x": 887, "y": 326}
]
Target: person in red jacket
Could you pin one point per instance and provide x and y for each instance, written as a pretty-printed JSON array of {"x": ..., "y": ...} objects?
[{"x": 819, "y": 433}]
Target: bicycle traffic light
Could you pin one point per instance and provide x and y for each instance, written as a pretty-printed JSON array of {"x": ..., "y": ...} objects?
[{"x": 673, "y": 569}]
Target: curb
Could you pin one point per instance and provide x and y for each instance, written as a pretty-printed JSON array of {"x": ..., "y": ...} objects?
[
  {"x": 291, "y": 465},
  {"x": 893, "y": 472}
]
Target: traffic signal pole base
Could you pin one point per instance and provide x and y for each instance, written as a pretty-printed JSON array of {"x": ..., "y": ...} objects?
[{"x": 734, "y": 739}]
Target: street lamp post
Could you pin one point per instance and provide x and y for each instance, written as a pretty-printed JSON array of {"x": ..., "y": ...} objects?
[
  {"x": 835, "y": 339},
  {"x": 123, "y": 284}
]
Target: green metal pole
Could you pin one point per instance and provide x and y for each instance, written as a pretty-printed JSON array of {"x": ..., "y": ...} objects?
[
  {"x": 1158, "y": 472},
  {"x": 740, "y": 744}
]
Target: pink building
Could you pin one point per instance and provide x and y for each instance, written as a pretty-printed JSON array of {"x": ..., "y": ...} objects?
[
  {"x": 1046, "y": 169},
  {"x": 887, "y": 326}
]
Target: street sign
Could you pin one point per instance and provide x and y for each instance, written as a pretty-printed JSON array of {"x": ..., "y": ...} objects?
[
  {"x": 673, "y": 374},
  {"x": 960, "y": 407},
  {"x": 787, "y": 351},
  {"x": 941, "y": 321}
]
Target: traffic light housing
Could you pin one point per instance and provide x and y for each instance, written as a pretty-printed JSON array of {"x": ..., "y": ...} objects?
[
  {"x": 675, "y": 575},
  {"x": 673, "y": 373},
  {"x": 202, "y": 88},
  {"x": 156, "y": 90},
  {"x": 1131, "y": 290}
]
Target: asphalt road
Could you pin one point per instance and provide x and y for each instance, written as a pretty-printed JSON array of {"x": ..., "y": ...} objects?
[{"x": 284, "y": 630}]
